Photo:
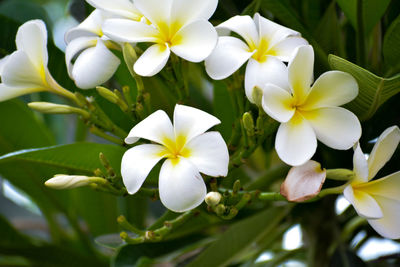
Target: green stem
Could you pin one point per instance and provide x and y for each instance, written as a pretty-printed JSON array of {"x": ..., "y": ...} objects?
[
  {"x": 127, "y": 226},
  {"x": 96, "y": 131}
]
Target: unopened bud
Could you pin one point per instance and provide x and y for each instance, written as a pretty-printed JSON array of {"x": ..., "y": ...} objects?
[
  {"x": 248, "y": 123},
  {"x": 62, "y": 181},
  {"x": 107, "y": 94},
  {"x": 213, "y": 198},
  {"x": 257, "y": 95},
  {"x": 340, "y": 174},
  {"x": 51, "y": 108},
  {"x": 220, "y": 209}
]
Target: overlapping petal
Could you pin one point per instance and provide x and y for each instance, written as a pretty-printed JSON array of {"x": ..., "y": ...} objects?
[
  {"x": 245, "y": 27},
  {"x": 184, "y": 12},
  {"x": 388, "y": 187},
  {"x": 208, "y": 152},
  {"x": 75, "y": 47},
  {"x": 191, "y": 122},
  {"x": 383, "y": 150},
  {"x": 336, "y": 127},
  {"x": 284, "y": 49},
  {"x": 153, "y": 60},
  {"x": 157, "y": 127},
  {"x": 124, "y": 30},
  {"x": 300, "y": 72},
  {"x": 94, "y": 66},
  {"x": 360, "y": 165},
  {"x": 3, "y": 63},
  {"x": 91, "y": 26},
  {"x": 365, "y": 205},
  {"x": 388, "y": 225},
  {"x": 228, "y": 56},
  {"x": 32, "y": 39},
  {"x": 124, "y": 8},
  {"x": 278, "y": 103},
  {"x": 259, "y": 74},
  {"x": 158, "y": 12},
  {"x": 7, "y": 92},
  {"x": 195, "y": 41},
  {"x": 137, "y": 163},
  {"x": 295, "y": 141},
  {"x": 333, "y": 88},
  {"x": 181, "y": 186}
]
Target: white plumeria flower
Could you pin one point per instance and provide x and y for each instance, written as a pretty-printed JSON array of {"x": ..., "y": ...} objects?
[
  {"x": 266, "y": 45},
  {"x": 25, "y": 71},
  {"x": 122, "y": 8},
  {"x": 94, "y": 62},
  {"x": 378, "y": 201},
  {"x": 188, "y": 151},
  {"x": 308, "y": 113},
  {"x": 179, "y": 26}
]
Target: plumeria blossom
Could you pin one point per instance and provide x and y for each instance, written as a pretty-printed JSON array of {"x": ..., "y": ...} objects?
[
  {"x": 121, "y": 8},
  {"x": 379, "y": 200},
  {"x": 94, "y": 62},
  {"x": 25, "y": 71},
  {"x": 266, "y": 44},
  {"x": 308, "y": 113},
  {"x": 188, "y": 151},
  {"x": 179, "y": 26}
]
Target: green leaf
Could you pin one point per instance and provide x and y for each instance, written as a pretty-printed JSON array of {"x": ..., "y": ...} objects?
[
  {"x": 391, "y": 44},
  {"x": 373, "y": 90},
  {"x": 78, "y": 157},
  {"x": 240, "y": 237},
  {"x": 372, "y": 11},
  {"x": 223, "y": 109}
]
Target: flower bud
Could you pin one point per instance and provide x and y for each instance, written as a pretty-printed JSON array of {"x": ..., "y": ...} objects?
[
  {"x": 51, "y": 108},
  {"x": 248, "y": 123},
  {"x": 257, "y": 96},
  {"x": 303, "y": 182},
  {"x": 213, "y": 198},
  {"x": 107, "y": 94},
  {"x": 62, "y": 181}
]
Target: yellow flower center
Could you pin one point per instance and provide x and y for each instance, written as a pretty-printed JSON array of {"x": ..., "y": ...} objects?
[
  {"x": 175, "y": 148},
  {"x": 263, "y": 50}
]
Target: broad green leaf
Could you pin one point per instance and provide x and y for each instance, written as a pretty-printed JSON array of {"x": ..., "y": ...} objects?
[
  {"x": 391, "y": 44},
  {"x": 372, "y": 11},
  {"x": 240, "y": 237},
  {"x": 223, "y": 109},
  {"x": 373, "y": 90},
  {"x": 78, "y": 157}
]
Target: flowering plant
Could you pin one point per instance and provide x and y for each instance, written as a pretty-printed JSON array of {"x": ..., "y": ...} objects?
[{"x": 193, "y": 132}]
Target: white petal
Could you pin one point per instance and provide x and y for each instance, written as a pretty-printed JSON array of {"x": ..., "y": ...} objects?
[
  {"x": 156, "y": 127},
  {"x": 191, "y": 122},
  {"x": 124, "y": 30},
  {"x": 3, "y": 63},
  {"x": 388, "y": 187},
  {"x": 383, "y": 150},
  {"x": 209, "y": 153},
  {"x": 124, "y": 8},
  {"x": 184, "y": 11},
  {"x": 181, "y": 186},
  {"x": 277, "y": 103},
  {"x": 94, "y": 66},
  {"x": 360, "y": 165},
  {"x": 228, "y": 56},
  {"x": 90, "y": 27},
  {"x": 137, "y": 163},
  {"x": 158, "y": 12},
  {"x": 152, "y": 61},
  {"x": 75, "y": 47},
  {"x": 336, "y": 127},
  {"x": 195, "y": 41},
  {"x": 244, "y": 26},
  {"x": 333, "y": 88},
  {"x": 271, "y": 31},
  {"x": 7, "y": 92},
  {"x": 19, "y": 71},
  {"x": 285, "y": 49},
  {"x": 295, "y": 141},
  {"x": 388, "y": 226},
  {"x": 32, "y": 38},
  {"x": 259, "y": 74},
  {"x": 301, "y": 72},
  {"x": 365, "y": 205}
]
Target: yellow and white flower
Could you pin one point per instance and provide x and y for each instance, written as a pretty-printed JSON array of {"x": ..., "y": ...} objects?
[
  {"x": 25, "y": 71},
  {"x": 94, "y": 62},
  {"x": 379, "y": 200},
  {"x": 308, "y": 113},
  {"x": 179, "y": 26},
  {"x": 266, "y": 44},
  {"x": 188, "y": 151}
]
